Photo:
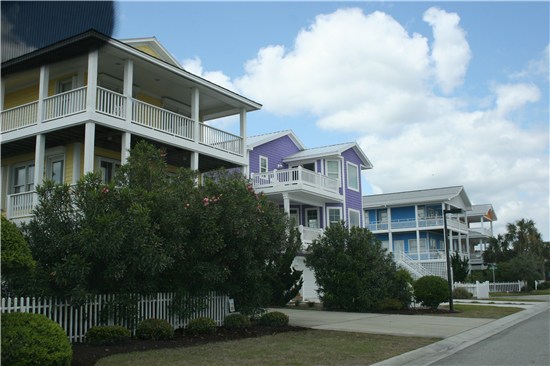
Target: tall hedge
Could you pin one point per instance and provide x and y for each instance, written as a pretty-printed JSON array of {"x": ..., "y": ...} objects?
[{"x": 16, "y": 258}]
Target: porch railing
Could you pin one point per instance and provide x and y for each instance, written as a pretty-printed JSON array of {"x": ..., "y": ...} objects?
[
  {"x": 294, "y": 176},
  {"x": 20, "y": 204},
  {"x": 422, "y": 223},
  {"x": 309, "y": 234},
  {"x": 220, "y": 139},
  {"x": 65, "y": 104},
  {"x": 19, "y": 117},
  {"x": 111, "y": 103},
  {"x": 115, "y": 105},
  {"x": 162, "y": 120}
]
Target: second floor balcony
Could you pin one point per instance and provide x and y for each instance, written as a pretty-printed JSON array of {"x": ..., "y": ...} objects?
[
  {"x": 117, "y": 109},
  {"x": 421, "y": 223},
  {"x": 297, "y": 180}
]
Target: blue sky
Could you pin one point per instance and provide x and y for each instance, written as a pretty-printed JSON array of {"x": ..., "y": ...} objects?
[{"x": 436, "y": 93}]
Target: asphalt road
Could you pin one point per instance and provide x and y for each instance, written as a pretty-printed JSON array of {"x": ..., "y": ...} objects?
[{"x": 525, "y": 344}]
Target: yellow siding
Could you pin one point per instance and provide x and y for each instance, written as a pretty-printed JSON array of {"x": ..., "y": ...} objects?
[
  {"x": 69, "y": 157},
  {"x": 20, "y": 97},
  {"x": 148, "y": 50},
  {"x": 18, "y": 159},
  {"x": 149, "y": 99},
  {"x": 104, "y": 153}
]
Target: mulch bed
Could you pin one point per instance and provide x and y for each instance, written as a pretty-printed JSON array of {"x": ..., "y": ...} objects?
[{"x": 86, "y": 355}]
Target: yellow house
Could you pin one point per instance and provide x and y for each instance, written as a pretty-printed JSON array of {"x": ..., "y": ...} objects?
[{"x": 79, "y": 105}]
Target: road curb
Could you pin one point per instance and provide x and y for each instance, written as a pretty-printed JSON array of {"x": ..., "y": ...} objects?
[{"x": 436, "y": 351}]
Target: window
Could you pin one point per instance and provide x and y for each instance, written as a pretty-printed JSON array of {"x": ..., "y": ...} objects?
[
  {"x": 353, "y": 176},
  {"x": 386, "y": 245},
  {"x": 64, "y": 85},
  {"x": 309, "y": 166},
  {"x": 263, "y": 164},
  {"x": 382, "y": 216},
  {"x": 354, "y": 218},
  {"x": 413, "y": 248},
  {"x": 312, "y": 218},
  {"x": 421, "y": 212},
  {"x": 55, "y": 168},
  {"x": 399, "y": 246},
  {"x": 333, "y": 170},
  {"x": 294, "y": 217},
  {"x": 108, "y": 168},
  {"x": 334, "y": 215},
  {"x": 23, "y": 178}
]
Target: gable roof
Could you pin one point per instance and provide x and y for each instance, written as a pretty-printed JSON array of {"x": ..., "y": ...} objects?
[
  {"x": 484, "y": 210},
  {"x": 152, "y": 43},
  {"x": 253, "y": 141},
  {"x": 331, "y": 150},
  {"x": 435, "y": 195}
]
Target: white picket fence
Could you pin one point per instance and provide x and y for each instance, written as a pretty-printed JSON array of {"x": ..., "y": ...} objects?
[
  {"x": 480, "y": 290},
  {"x": 76, "y": 320},
  {"x": 506, "y": 286}
]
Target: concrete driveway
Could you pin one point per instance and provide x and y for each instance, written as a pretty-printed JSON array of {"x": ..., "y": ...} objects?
[{"x": 404, "y": 325}]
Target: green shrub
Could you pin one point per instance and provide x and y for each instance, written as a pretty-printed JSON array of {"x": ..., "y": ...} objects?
[
  {"x": 311, "y": 304},
  {"x": 431, "y": 291},
  {"x": 107, "y": 335},
  {"x": 543, "y": 286},
  {"x": 390, "y": 304},
  {"x": 274, "y": 319},
  {"x": 33, "y": 339},
  {"x": 462, "y": 293},
  {"x": 201, "y": 325},
  {"x": 155, "y": 329},
  {"x": 236, "y": 321}
]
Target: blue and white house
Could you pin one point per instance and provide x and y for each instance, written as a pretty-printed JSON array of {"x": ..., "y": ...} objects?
[
  {"x": 410, "y": 225},
  {"x": 314, "y": 186},
  {"x": 480, "y": 225}
]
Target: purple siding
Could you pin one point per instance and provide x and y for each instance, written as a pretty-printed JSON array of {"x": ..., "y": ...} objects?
[
  {"x": 354, "y": 199},
  {"x": 275, "y": 151}
]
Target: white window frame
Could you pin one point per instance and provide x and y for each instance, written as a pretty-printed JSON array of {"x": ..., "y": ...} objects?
[
  {"x": 412, "y": 242},
  {"x": 27, "y": 186},
  {"x": 329, "y": 221},
  {"x": 318, "y": 223},
  {"x": 352, "y": 211},
  {"x": 331, "y": 174},
  {"x": 355, "y": 168},
  {"x": 263, "y": 169},
  {"x": 59, "y": 84},
  {"x": 401, "y": 246},
  {"x": 52, "y": 158},
  {"x": 116, "y": 165}
]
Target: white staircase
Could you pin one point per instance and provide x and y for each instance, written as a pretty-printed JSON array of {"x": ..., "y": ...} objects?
[{"x": 415, "y": 268}]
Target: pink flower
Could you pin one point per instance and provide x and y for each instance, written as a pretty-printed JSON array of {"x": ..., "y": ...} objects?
[{"x": 105, "y": 190}]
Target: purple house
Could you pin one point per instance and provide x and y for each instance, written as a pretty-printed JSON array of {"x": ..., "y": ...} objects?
[{"x": 315, "y": 187}]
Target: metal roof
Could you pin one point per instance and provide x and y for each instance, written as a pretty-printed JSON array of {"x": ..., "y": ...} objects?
[
  {"x": 257, "y": 140},
  {"x": 435, "y": 195},
  {"x": 485, "y": 210},
  {"x": 330, "y": 150}
]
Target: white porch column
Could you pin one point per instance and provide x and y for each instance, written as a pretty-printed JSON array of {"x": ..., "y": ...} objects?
[
  {"x": 42, "y": 91},
  {"x": 77, "y": 154},
  {"x": 126, "y": 144},
  {"x": 128, "y": 83},
  {"x": 242, "y": 119},
  {"x": 39, "y": 158},
  {"x": 286, "y": 204},
  {"x": 89, "y": 142},
  {"x": 2, "y": 94},
  {"x": 194, "y": 160},
  {"x": 93, "y": 59},
  {"x": 195, "y": 98}
]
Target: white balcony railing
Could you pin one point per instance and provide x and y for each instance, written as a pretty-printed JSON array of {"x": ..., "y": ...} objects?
[
  {"x": 65, "y": 104},
  {"x": 294, "y": 176},
  {"x": 111, "y": 103},
  {"x": 481, "y": 231},
  {"x": 19, "y": 117},
  {"x": 115, "y": 105},
  {"x": 309, "y": 234},
  {"x": 220, "y": 139},
  {"x": 20, "y": 205},
  {"x": 375, "y": 226},
  {"x": 162, "y": 120}
]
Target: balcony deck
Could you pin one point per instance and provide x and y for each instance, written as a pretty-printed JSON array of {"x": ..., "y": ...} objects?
[
  {"x": 115, "y": 105},
  {"x": 421, "y": 223}
]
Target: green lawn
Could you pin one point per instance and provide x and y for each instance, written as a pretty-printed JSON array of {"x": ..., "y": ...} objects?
[
  {"x": 481, "y": 311},
  {"x": 311, "y": 347},
  {"x": 519, "y": 294}
]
